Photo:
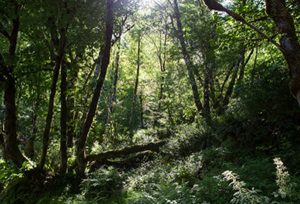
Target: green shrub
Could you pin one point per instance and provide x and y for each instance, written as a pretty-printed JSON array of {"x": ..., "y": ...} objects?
[{"x": 102, "y": 184}]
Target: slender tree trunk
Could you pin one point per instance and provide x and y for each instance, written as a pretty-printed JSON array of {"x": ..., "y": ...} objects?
[
  {"x": 142, "y": 110},
  {"x": 63, "y": 119},
  {"x": 58, "y": 62},
  {"x": 136, "y": 85},
  {"x": 206, "y": 94},
  {"x": 252, "y": 74},
  {"x": 243, "y": 66},
  {"x": 116, "y": 78},
  {"x": 80, "y": 152},
  {"x": 162, "y": 64},
  {"x": 113, "y": 97},
  {"x": 187, "y": 58},
  {"x": 211, "y": 83},
  {"x": 231, "y": 85},
  {"x": 71, "y": 99}
]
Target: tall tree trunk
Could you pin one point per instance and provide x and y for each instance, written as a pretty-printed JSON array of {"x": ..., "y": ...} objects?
[
  {"x": 211, "y": 83},
  {"x": 253, "y": 71},
  {"x": 162, "y": 63},
  {"x": 11, "y": 149},
  {"x": 231, "y": 85},
  {"x": 80, "y": 151},
  {"x": 72, "y": 76},
  {"x": 243, "y": 66},
  {"x": 206, "y": 94},
  {"x": 113, "y": 96},
  {"x": 63, "y": 119},
  {"x": 142, "y": 110},
  {"x": 136, "y": 84},
  {"x": 116, "y": 78},
  {"x": 289, "y": 43},
  {"x": 58, "y": 62},
  {"x": 187, "y": 58}
]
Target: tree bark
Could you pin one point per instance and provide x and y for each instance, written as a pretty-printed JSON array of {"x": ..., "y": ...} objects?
[
  {"x": 289, "y": 43},
  {"x": 187, "y": 58},
  {"x": 11, "y": 149},
  {"x": 80, "y": 151}
]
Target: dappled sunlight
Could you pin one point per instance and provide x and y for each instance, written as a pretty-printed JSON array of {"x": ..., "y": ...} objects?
[{"x": 149, "y": 101}]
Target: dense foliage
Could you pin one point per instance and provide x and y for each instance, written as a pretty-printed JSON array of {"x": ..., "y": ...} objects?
[{"x": 166, "y": 101}]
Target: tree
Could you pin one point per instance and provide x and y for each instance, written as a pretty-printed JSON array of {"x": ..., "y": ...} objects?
[
  {"x": 104, "y": 59},
  {"x": 187, "y": 58},
  {"x": 137, "y": 78},
  {"x": 11, "y": 149},
  {"x": 58, "y": 41},
  {"x": 289, "y": 44}
]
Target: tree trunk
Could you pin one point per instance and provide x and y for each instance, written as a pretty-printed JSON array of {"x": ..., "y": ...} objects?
[
  {"x": 11, "y": 149},
  {"x": 162, "y": 64},
  {"x": 206, "y": 94},
  {"x": 187, "y": 59},
  {"x": 211, "y": 83},
  {"x": 243, "y": 66},
  {"x": 230, "y": 88},
  {"x": 72, "y": 76},
  {"x": 136, "y": 85},
  {"x": 46, "y": 133},
  {"x": 63, "y": 119},
  {"x": 113, "y": 96},
  {"x": 116, "y": 78},
  {"x": 141, "y": 110},
  {"x": 80, "y": 152},
  {"x": 289, "y": 44}
]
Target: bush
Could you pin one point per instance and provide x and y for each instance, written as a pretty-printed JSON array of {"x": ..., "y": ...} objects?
[{"x": 102, "y": 184}]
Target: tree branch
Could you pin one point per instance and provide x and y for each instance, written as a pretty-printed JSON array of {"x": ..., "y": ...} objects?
[{"x": 213, "y": 5}]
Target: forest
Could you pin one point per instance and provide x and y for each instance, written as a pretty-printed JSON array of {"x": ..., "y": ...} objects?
[{"x": 150, "y": 101}]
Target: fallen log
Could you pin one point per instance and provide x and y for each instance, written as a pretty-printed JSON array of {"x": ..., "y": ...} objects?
[
  {"x": 153, "y": 146},
  {"x": 128, "y": 163}
]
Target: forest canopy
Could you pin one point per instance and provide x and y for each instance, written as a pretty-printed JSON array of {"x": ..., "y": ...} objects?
[{"x": 149, "y": 101}]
